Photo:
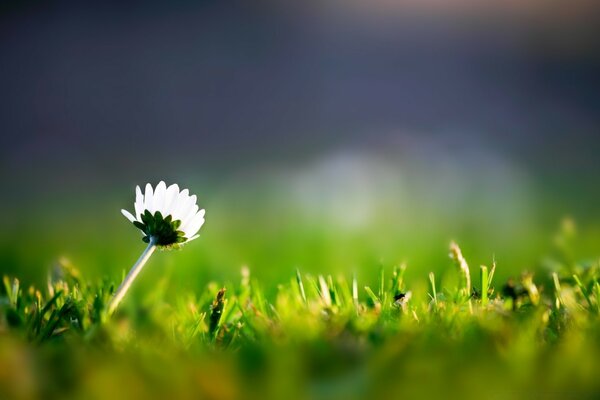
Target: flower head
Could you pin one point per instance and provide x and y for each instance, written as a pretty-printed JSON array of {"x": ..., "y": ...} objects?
[{"x": 166, "y": 216}]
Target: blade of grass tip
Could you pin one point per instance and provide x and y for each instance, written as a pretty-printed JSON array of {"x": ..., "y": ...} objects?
[
  {"x": 372, "y": 295},
  {"x": 50, "y": 284},
  {"x": 325, "y": 295},
  {"x": 583, "y": 291},
  {"x": 38, "y": 301},
  {"x": 245, "y": 273},
  {"x": 433, "y": 290},
  {"x": 355, "y": 291},
  {"x": 6, "y": 283},
  {"x": 398, "y": 279},
  {"x": 484, "y": 285},
  {"x": 344, "y": 291},
  {"x": 461, "y": 263},
  {"x": 300, "y": 285},
  {"x": 313, "y": 287},
  {"x": 335, "y": 298},
  {"x": 7, "y": 287},
  {"x": 15, "y": 291},
  {"x": 492, "y": 271},
  {"x": 557, "y": 290}
]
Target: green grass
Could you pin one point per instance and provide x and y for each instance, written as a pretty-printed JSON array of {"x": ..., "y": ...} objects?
[{"x": 457, "y": 333}]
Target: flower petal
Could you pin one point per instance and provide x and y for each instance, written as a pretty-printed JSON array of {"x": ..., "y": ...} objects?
[
  {"x": 159, "y": 197},
  {"x": 180, "y": 203},
  {"x": 188, "y": 216},
  {"x": 128, "y": 215},
  {"x": 139, "y": 202},
  {"x": 170, "y": 197},
  {"x": 185, "y": 211},
  {"x": 148, "y": 198},
  {"x": 195, "y": 224}
]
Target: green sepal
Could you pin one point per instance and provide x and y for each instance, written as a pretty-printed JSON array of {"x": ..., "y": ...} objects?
[
  {"x": 146, "y": 217},
  {"x": 163, "y": 231}
]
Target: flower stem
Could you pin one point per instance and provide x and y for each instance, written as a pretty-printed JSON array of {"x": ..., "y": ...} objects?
[{"x": 135, "y": 270}]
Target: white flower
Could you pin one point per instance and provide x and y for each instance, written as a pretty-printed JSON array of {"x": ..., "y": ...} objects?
[{"x": 167, "y": 216}]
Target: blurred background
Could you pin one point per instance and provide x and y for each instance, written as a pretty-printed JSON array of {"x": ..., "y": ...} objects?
[{"x": 327, "y": 136}]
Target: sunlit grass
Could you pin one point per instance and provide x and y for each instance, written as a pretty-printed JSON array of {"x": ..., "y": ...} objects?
[{"x": 458, "y": 332}]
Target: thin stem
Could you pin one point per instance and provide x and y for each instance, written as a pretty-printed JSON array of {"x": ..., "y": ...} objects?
[{"x": 135, "y": 270}]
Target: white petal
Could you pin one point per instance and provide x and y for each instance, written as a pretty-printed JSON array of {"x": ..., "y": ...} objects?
[
  {"x": 188, "y": 217},
  {"x": 193, "y": 230},
  {"x": 139, "y": 196},
  {"x": 180, "y": 203},
  {"x": 128, "y": 215},
  {"x": 170, "y": 196},
  {"x": 139, "y": 202},
  {"x": 148, "y": 198},
  {"x": 195, "y": 224},
  {"x": 196, "y": 214},
  {"x": 191, "y": 212},
  {"x": 159, "y": 197},
  {"x": 185, "y": 210}
]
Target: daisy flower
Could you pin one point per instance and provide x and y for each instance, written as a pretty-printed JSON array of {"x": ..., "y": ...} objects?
[{"x": 168, "y": 218}]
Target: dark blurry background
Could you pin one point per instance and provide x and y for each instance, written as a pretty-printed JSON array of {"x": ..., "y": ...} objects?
[{"x": 318, "y": 135}]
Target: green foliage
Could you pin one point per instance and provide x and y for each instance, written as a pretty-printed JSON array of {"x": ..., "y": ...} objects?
[{"x": 526, "y": 335}]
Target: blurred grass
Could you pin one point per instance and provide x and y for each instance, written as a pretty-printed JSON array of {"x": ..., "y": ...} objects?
[
  {"x": 272, "y": 238},
  {"x": 350, "y": 212},
  {"x": 273, "y": 344},
  {"x": 315, "y": 337}
]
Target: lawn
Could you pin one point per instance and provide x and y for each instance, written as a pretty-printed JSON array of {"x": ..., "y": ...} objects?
[{"x": 460, "y": 330}]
